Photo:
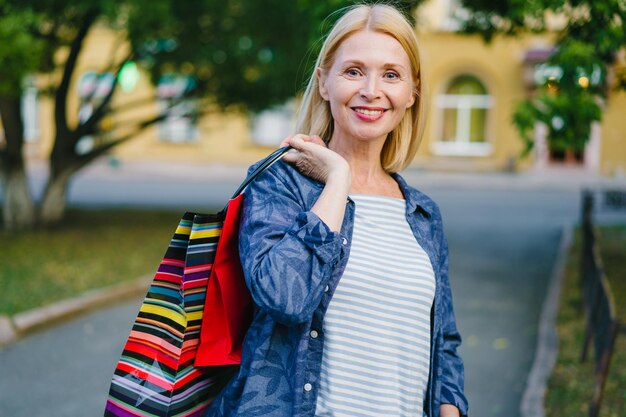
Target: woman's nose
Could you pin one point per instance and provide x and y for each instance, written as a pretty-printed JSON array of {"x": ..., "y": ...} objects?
[{"x": 370, "y": 88}]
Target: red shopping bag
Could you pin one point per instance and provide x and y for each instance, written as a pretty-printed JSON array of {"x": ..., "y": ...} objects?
[{"x": 228, "y": 308}]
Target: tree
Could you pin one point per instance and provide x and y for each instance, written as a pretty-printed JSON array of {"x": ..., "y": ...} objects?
[
  {"x": 588, "y": 61},
  {"x": 33, "y": 36},
  {"x": 19, "y": 57},
  {"x": 240, "y": 54}
]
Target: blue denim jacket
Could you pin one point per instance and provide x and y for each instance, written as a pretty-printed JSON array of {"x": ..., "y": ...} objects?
[{"x": 292, "y": 263}]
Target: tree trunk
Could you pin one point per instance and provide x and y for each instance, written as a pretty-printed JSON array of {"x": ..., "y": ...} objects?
[
  {"x": 18, "y": 209},
  {"x": 54, "y": 201}
]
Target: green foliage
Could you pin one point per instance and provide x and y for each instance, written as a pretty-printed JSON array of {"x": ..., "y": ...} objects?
[
  {"x": 241, "y": 53},
  {"x": 20, "y": 51},
  {"x": 597, "y": 23},
  {"x": 248, "y": 54},
  {"x": 489, "y": 18},
  {"x": 570, "y": 86},
  {"x": 568, "y": 119},
  {"x": 524, "y": 119}
]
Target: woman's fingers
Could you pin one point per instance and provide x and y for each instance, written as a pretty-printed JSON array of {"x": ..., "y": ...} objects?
[
  {"x": 316, "y": 139},
  {"x": 306, "y": 157},
  {"x": 312, "y": 158},
  {"x": 284, "y": 142},
  {"x": 298, "y": 143},
  {"x": 304, "y": 138}
]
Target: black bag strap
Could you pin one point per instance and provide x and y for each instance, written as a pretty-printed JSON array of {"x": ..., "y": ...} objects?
[{"x": 265, "y": 164}]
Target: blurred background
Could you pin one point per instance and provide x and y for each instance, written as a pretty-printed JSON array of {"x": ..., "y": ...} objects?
[{"x": 117, "y": 116}]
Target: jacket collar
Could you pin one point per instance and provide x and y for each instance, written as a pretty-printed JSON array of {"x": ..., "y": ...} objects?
[{"x": 415, "y": 200}]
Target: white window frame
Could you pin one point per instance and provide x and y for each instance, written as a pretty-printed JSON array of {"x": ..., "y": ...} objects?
[
  {"x": 176, "y": 127},
  {"x": 270, "y": 126},
  {"x": 461, "y": 145},
  {"x": 30, "y": 111}
]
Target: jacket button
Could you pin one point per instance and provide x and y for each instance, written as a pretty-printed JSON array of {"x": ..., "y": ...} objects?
[
  {"x": 314, "y": 334},
  {"x": 327, "y": 289},
  {"x": 308, "y": 387},
  {"x": 344, "y": 241}
]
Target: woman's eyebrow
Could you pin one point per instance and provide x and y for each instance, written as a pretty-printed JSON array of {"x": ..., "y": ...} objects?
[
  {"x": 394, "y": 65},
  {"x": 398, "y": 67}
]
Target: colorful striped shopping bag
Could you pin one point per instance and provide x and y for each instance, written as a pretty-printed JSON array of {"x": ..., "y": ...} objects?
[{"x": 188, "y": 309}]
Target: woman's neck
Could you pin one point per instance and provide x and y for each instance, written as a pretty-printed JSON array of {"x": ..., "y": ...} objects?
[{"x": 368, "y": 175}]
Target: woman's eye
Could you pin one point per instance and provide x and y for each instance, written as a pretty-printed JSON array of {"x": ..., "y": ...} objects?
[
  {"x": 391, "y": 75},
  {"x": 352, "y": 72}
]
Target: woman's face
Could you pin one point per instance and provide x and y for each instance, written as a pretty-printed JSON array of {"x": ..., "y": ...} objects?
[{"x": 369, "y": 86}]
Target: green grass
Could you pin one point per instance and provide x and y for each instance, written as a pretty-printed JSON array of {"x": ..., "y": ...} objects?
[
  {"x": 571, "y": 386},
  {"x": 91, "y": 249}
]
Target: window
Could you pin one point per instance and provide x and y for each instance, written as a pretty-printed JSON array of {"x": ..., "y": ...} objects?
[
  {"x": 180, "y": 123},
  {"x": 463, "y": 111},
  {"x": 271, "y": 126},
  {"x": 30, "y": 111},
  {"x": 93, "y": 88}
]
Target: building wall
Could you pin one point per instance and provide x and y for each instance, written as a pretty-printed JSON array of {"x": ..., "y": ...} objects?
[
  {"x": 223, "y": 138},
  {"x": 613, "y": 134}
]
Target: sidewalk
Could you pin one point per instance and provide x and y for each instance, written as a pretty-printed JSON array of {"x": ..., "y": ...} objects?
[{"x": 548, "y": 178}]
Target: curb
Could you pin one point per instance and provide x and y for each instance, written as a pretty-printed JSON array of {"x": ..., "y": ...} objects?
[
  {"x": 21, "y": 324},
  {"x": 547, "y": 341}
]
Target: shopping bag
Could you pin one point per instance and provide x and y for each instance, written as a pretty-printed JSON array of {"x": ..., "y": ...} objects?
[
  {"x": 228, "y": 306},
  {"x": 198, "y": 289}
]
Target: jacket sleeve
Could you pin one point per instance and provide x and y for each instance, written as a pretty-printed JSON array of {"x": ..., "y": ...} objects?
[
  {"x": 452, "y": 372},
  {"x": 286, "y": 251}
]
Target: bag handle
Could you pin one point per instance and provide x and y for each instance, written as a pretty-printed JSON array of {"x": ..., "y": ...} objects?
[{"x": 265, "y": 164}]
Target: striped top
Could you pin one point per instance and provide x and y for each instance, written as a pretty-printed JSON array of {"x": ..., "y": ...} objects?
[{"x": 377, "y": 327}]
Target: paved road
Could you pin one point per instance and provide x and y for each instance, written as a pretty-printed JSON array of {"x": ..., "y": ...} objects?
[
  {"x": 503, "y": 247},
  {"x": 503, "y": 235}
]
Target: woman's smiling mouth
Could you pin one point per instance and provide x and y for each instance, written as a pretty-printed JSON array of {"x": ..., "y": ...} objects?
[{"x": 368, "y": 113}]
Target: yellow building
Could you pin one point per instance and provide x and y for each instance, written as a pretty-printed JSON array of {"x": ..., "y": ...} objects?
[{"x": 472, "y": 90}]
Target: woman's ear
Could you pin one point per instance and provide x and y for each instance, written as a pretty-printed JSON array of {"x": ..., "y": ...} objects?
[
  {"x": 414, "y": 96},
  {"x": 321, "y": 82},
  {"x": 411, "y": 100}
]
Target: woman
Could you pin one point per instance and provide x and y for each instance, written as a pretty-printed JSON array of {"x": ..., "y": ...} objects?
[{"x": 346, "y": 263}]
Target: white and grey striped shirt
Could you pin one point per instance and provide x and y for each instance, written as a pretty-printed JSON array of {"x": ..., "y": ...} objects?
[{"x": 377, "y": 328}]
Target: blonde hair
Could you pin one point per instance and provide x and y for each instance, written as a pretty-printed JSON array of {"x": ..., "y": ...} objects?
[{"x": 315, "y": 117}]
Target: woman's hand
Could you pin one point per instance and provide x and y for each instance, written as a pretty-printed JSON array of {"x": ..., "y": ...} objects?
[
  {"x": 306, "y": 138},
  {"x": 448, "y": 410},
  {"x": 313, "y": 159},
  {"x": 311, "y": 156}
]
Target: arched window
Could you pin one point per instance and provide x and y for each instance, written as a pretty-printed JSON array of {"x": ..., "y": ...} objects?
[{"x": 463, "y": 111}]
